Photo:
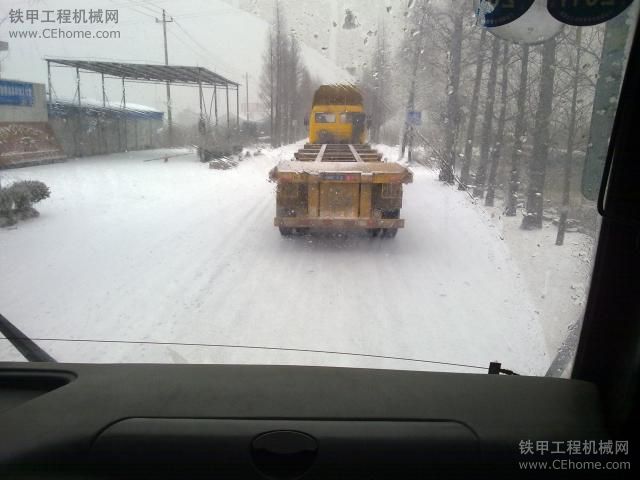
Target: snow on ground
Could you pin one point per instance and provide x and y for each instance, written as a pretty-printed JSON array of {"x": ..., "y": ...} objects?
[
  {"x": 156, "y": 251},
  {"x": 556, "y": 276}
]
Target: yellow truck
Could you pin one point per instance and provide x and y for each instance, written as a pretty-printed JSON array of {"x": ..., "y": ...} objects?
[
  {"x": 337, "y": 116},
  {"x": 337, "y": 181}
]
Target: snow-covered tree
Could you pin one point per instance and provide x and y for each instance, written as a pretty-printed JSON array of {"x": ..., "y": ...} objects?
[
  {"x": 376, "y": 86},
  {"x": 541, "y": 137},
  {"x": 281, "y": 83}
]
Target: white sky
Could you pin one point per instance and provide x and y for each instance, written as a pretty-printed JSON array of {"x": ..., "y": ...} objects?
[{"x": 208, "y": 33}]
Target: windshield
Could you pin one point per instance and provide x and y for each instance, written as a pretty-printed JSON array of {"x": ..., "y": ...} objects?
[{"x": 348, "y": 183}]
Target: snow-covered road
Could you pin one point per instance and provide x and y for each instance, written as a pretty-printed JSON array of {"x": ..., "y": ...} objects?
[{"x": 129, "y": 249}]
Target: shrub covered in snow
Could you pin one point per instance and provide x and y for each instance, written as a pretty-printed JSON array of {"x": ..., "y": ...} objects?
[{"x": 16, "y": 201}]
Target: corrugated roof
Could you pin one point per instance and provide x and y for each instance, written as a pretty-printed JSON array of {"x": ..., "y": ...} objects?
[
  {"x": 61, "y": 108},
  {"x": 181, "y": 75}
]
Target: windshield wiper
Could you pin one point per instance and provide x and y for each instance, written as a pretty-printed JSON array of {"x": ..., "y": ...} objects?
[{"x": 27, "y": 347}]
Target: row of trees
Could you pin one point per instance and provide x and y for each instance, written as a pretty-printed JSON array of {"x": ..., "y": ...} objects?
[
  {"x": 499, "y": 114},
  {"x": 286, "y": 86}
]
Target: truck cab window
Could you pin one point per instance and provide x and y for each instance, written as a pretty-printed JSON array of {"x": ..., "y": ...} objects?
[
  {"x": 346, "y": 117},
  {"x": 325, "y": 118}
]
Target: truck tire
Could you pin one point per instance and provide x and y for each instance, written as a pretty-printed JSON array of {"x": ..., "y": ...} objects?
[
  {"x": 374, "y": 232},
  {"x": 286, "y": 232},
  {"x": 389, "y": 233}
]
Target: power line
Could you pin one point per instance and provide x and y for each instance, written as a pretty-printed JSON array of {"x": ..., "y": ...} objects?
[
  {"x": 200, "y": 14},
  {"x": 133, "y": 6},
  {"x": 146, "y": 3},
  {"x": 190, "y": 47},
  {"x": 135, "y": 3},
  {"x": 204, "y": 49},
  {"x": 251, "y": 347},
  {"x": 192, "y": 38}
]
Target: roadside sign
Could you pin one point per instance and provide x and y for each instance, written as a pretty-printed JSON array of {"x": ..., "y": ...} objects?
[
  {"x": 414, "y": 117},
  {"x": 16, "y": 93}
]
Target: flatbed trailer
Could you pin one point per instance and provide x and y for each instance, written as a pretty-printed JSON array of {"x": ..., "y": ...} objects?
[{"x": 339, "y": 186}]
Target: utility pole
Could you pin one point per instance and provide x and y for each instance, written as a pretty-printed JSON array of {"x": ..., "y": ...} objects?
[
  {"x": 164, "y": 22},
  {"x": 247, "y": 85}
]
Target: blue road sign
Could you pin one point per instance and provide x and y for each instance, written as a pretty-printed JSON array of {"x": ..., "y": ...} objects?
[{"x": 414, "y": 117}]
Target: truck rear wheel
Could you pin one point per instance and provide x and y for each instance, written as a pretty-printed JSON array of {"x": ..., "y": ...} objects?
[
  {"x": 390, "y": 232},
  {"x": 286, "y": 232},
  {"x": 374, "y": 232}
]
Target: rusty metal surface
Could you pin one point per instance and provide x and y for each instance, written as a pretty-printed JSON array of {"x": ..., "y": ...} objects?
[
  {"x": 340, "y": 223},
  {"x": 362, "y": 167},
  {"x": 340, "y": 186}
]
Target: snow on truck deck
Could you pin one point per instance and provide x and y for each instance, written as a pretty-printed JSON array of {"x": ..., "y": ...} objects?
[{"x": 128, "y": 249}]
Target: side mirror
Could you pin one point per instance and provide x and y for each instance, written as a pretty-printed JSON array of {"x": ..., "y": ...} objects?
[
  {"x": 525, "y": 22},
  {"x": 306, "y": 121}
]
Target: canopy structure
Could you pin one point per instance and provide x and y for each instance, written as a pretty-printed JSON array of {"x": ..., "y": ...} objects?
[
  {"x": 150, "y": 73},
  {"x": 177, "y": 75}
]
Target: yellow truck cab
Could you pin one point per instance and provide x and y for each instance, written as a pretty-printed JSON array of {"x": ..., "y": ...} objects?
[{"x": 337, "y": 116}]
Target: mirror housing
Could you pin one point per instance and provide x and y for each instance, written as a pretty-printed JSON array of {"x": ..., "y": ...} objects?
[{"x": 534, "y": 26}]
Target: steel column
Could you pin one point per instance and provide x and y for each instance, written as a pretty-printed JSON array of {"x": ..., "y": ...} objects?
[
  {"x": 49, "y": 79},
  {"x": 104, "y": 93},
  {"x": 124, "y": 112},
  {"x": 215, "y": 96},
  {"x": 79, "y": 118},
  {"x": 228, "y": 111}
]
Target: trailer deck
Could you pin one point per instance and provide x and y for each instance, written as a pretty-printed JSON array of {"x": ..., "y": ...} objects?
[{"x": 339, "y": 187}]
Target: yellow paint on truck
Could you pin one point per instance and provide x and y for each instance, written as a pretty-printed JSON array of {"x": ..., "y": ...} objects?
[
  {"x": 333, "y": 124},
  {"x": 337, "y": 116}
]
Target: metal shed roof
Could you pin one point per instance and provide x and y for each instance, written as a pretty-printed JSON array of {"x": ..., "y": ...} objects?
[{"x": 180, "y": 75}]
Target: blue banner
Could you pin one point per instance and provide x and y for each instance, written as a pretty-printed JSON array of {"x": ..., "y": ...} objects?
[{"x": 16, "y": 93}]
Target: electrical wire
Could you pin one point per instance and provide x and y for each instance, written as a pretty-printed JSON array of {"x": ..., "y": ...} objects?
[
  {"x": 131, "y": 7},
  {"x": 203, "y": 48},
  {"x": 248, "y": 347}
]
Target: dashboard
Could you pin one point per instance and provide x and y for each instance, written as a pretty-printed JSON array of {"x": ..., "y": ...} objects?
[{"x": 224, "y": 421}]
